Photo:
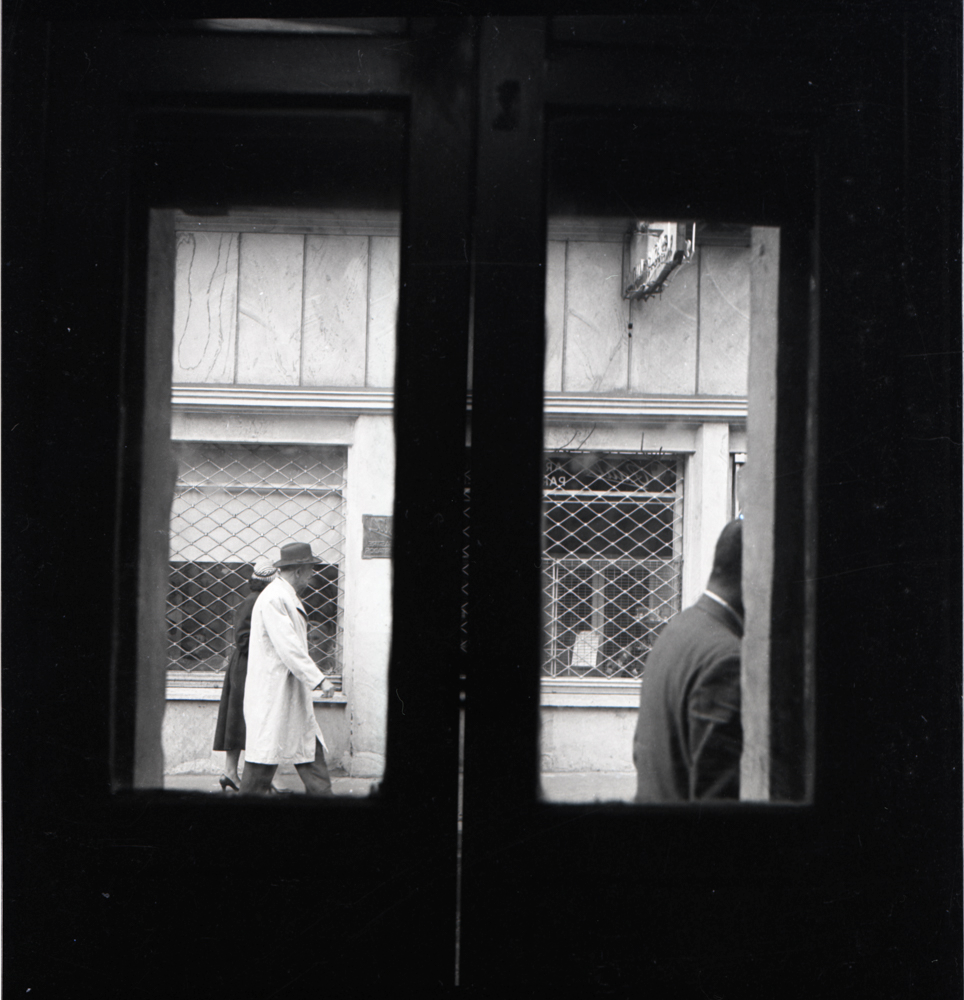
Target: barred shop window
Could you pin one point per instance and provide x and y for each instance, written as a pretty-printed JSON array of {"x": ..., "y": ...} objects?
[
  {"x": 612, "y": 567},
  {"x": 612, "y": 560},
  {"x": 233, "y": 504}
]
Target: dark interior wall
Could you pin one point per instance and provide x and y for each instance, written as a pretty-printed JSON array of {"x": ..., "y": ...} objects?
[{"x": 859, "y": 893}]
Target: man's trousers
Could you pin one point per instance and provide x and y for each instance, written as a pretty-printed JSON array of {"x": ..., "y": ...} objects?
[{"x": 257, "y": 778}]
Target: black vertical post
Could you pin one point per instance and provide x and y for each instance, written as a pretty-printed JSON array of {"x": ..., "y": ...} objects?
[
  {"x": 421, "y": 776},
  {"x": 430, "y": 408},
  {"x": 502, "y": 709}
]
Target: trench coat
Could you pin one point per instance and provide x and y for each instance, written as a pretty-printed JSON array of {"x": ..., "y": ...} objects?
[{"x": 278, "y": 710}]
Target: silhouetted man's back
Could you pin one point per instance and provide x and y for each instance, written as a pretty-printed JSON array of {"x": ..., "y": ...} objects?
[{"x": 689, "y": 736}]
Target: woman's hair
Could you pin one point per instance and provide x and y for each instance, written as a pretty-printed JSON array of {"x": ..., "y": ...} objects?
[{"x": 262, "y": 573}]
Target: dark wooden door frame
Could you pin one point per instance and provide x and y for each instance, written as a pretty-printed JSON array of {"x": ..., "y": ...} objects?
[
  {"x": 733, "y": 900},
  {"x": 160, "y": 892},
  {"x": 193, "y": 889}
]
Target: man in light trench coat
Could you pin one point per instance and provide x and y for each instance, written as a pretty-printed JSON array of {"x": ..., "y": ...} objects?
[{"x": 278, "y": 711}]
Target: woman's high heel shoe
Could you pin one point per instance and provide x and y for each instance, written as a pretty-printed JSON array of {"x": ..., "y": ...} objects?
[{"x": 225, "y": 782}]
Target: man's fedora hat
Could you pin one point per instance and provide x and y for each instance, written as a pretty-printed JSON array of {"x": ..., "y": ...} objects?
[{"x": 297, "y": 554}]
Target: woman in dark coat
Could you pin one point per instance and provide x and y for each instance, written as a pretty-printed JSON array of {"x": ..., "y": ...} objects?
[{"x": 229, "y": 731}]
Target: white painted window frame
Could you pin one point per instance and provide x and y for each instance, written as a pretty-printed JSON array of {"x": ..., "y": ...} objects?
[{"x": 707, "y": 430}]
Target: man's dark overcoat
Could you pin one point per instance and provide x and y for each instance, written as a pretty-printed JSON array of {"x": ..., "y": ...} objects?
[{"x": 689, "y": 736}]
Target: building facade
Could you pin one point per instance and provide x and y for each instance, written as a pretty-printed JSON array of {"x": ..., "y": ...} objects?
[{"x": 282, "y": 426}]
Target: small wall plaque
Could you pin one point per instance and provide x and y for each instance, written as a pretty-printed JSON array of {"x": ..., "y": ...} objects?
[{"x": 377, "y": 537}]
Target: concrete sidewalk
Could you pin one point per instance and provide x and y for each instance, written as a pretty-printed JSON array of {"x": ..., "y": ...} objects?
[
  {"x": 589, "y": 786},
  {"x": 291, "y": 782},
  {"x": 581, "y": 786}
]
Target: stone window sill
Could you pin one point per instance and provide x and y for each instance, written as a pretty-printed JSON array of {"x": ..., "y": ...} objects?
[
  {"x": 188, "y": 687},
  {"x": 590, "y": 693}
]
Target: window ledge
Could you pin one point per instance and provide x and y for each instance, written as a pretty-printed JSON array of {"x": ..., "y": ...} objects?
[
  {"x": 187, "y": 687},
  {"x": 355, "y": 401},
  {"x": 200, "y": 397},
  {"x": 685, "y": 410},
  {"x": 595, "y": 693}
]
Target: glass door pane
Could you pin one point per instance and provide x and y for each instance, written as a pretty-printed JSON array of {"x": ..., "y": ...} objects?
[
  {"x": 659, "y": 429},
  {"x": 281, "y": 342}
]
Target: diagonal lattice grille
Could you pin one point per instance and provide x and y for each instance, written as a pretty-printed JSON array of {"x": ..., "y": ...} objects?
[
  {"x": 612, "y": 560},
  {"x": 232, "y": 504}
]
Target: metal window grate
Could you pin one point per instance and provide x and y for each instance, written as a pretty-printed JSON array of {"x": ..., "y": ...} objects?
[
  {"x": 232, "y": 504},
  {"x": 612, "y": 560}
]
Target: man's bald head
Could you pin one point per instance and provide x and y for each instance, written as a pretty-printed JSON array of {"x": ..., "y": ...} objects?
[{"x": 726, "y": 579}]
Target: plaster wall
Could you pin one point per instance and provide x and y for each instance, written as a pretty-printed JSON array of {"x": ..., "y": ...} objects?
[
  {"x": 693, "y": 339},
  {"x": 587, "y": 739},
  {"x": 269, "y": 308},
  {"x": 313, "y": 309},
  {"x": 706, "y": 506},
  {"x": 368, "y": 595}
]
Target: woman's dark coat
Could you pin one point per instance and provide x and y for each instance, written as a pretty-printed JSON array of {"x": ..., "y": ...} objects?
[{"x": 229, "y": 732}]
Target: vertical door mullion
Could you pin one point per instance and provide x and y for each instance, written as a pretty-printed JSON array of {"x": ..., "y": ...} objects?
[
  {"x": 505, "y": 620},
  {"x": 430, "y": 394}
]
